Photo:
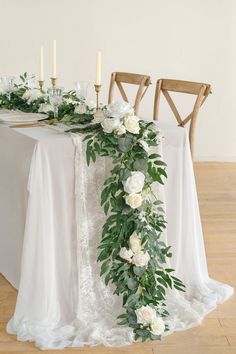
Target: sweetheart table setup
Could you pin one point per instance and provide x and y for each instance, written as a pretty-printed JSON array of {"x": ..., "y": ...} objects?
[{"x": 100, "y": 229}]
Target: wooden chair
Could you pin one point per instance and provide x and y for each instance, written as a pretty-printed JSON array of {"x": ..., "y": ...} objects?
[
  {"x": 200, "y": 90},
  {"x": 143, "y": 81}
]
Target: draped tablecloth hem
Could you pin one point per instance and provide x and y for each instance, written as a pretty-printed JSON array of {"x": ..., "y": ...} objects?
[{"x": 185, "y": 314}]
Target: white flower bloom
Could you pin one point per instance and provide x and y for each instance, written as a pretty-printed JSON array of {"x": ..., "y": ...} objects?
[
  {"x": 145, "y": 145},
  {"x": 134, "y": 183},
  {"x": 158, "y": 326},
  {"x": 91, "y": 106},
  {"x": 145, "y": 315},
  {"x": 141, "y": 259},
  {"x": 2, "y": 91},
  {"x": 69, "y": 101},
  {"x": 80, "y": 108},
  {"x": 134, "y": 200},
  {"x": 119, "y": 109},
  {"x": 132, "y": 124},
  {"x": 121, "y": 130},
  {"x": 110, "y": 124},
  {"x": 45, "y": 108},
  {"x": 135, "y": 242},
  {"x": 32, "y": 95},
  {"x": 126, "y": 254}
]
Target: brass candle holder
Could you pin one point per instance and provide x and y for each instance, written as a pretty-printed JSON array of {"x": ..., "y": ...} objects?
[
  {"x": 97, "y": 90},
  {"x": 53, "y": 81},
  {"x": 41, "y": 82}
]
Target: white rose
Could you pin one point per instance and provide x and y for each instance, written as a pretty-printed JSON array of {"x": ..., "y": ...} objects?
[
  {"x": 141, "y": 259},
  {"x": 134, "y": 200},
  {"x": 32, "y": 95},
  {"x": 145, "y": 145},
  {"x": 135, "y": 242},
  {"x": 126, "y": 254},
  {"x": 80, "y": 109},
  {"x": 110, "y": 124},
  {"x": 91, "y": 106},
  {"x": 2, "y": 91},
  {"x": 119, "y": 109},
  {"x": 134, "y": 183},
  {"x": 69, "y": 101},
  {"x": 145, "y": 314},
  {"x": 121, "y": 130},
  {"x": 45, "y": 108},
  {"x": 132, "y": 125},
  {"x": 158, "y": 326}
]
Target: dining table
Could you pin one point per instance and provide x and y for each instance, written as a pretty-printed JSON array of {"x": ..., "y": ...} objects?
[{"x": 51, "y": 225}]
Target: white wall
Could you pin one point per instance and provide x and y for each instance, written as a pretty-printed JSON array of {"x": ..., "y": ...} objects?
[{"x": 183, "y": 39}]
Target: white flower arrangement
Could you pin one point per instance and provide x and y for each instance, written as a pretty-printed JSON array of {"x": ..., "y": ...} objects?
[
  {"x": 147, "y": 316},
  {"x": 126, "y": 254},
  {"x": 120, "y": 118},
  {"x": 141, "y": 259},
  {"x": 134, "y": 183},
  {"x": 135, "y": 242},
  {"x": 131, "y": 124},
  {"x": 134, "y": 200},
  {"x": 111, "y": 124},
  {"x": 32, "y": 95}
]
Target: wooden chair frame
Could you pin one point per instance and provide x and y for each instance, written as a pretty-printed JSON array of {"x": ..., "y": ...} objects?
[
  {"x": 143, "y": 82},
  {"x": 198, "y": 89}
]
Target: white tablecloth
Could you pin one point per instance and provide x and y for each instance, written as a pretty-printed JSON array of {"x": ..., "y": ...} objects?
[{"x": 50, "y": 226}]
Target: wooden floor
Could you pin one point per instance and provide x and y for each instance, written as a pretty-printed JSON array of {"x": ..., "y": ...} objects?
[{"x": 216, "y": 184}]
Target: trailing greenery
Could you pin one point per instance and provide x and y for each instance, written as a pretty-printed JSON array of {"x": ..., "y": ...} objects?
[{"x": 129, "y": 228}]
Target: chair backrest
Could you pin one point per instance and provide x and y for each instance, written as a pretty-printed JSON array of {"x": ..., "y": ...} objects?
[
  {"x": 142, "y": 81},
  {"x": 200, "y": 90}
]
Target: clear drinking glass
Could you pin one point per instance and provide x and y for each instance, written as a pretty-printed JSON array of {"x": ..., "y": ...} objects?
[
  {"x": 55, "y": 98},
  {"x": 7, "y": 84},
  {"x": 81, "y": 88}
]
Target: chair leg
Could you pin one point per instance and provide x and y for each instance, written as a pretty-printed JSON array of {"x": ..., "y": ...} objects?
[
  {"x": 157, "y": 100},
  {"x": 111, "y": 88}
]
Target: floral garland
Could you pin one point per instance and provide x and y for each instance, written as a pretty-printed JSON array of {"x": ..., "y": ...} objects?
[
  {"x": 29, "y": 99},
  {"x": 132, "y": 254}
]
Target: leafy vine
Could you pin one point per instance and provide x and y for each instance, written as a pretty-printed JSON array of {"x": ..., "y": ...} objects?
[{"x": 132, "y": 254}]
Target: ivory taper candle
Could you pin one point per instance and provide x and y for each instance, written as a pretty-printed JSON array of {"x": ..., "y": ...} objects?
[
  {"x": 98, "y": 68},
  {"x": 54, "y": 59},
  {"x": 41, "y": 71}
]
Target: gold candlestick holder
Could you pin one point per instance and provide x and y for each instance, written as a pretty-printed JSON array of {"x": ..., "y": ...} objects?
[
  {"x": 53, "y": 81},
  {"x": 41, "y": 82},
  {"x": 97, "y": 90}
]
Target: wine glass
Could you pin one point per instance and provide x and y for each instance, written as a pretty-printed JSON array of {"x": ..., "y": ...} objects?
[
  {"x": 81, "y": 88},
  {"x": 7, "y": 85},
  {"x": 55, "y": 98}
]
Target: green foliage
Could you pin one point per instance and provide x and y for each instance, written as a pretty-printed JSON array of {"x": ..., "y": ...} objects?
[
  {"x": 139, "y": 286},
  {"x": 66, "y": 112}
]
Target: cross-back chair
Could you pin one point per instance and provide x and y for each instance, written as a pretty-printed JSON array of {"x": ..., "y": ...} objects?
[
  {"x": 142, "y": 81},
  {"x": 200, "y": 90}
]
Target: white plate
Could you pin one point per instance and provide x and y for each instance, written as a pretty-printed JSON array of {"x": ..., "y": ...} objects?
[{"x": 21, "y": 117}]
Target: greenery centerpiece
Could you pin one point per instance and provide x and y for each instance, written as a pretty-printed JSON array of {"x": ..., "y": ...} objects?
[
  {"x": 133, "y": 255},
  {"x": 28, "y": 99}
]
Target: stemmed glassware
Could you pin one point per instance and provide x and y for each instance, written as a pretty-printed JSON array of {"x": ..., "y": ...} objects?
[
  {"x": 81, "y": 88},
  {"x": 55, "y": 97},
  {"x": 7, "y": 85}
]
